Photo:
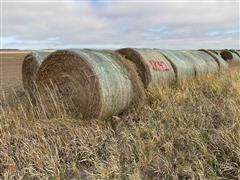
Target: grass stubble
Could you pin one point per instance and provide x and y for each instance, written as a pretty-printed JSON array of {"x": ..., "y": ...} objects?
[{"x": 187, "y": 131}]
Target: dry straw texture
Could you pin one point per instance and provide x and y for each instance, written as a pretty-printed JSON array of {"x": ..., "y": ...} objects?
[
  {"x": 30, "y": 66},
  {"x": 190, "y": 131},
  {"x": 94, "y": 84},
  {"x": 153, "y": 68}
]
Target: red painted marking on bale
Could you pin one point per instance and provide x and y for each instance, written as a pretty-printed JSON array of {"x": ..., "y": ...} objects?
[{"x": 158, "y": 65}]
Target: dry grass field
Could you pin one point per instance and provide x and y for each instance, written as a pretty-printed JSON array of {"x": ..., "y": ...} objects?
[
  {"x": 188, "y": 131},
  {"x": 10, "y": 65}
]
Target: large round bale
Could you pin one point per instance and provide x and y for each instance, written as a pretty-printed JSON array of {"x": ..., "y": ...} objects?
[
  {"x": 153, "y": 68},
  {"x": 183, "y": 68},
  {"x": 230, "y": 56},
  {"x": 200, "y": 66},
  {"x": 235, "y": 51},
  {"x": 30, "y": 66},
  {"x": 223, "y": 65},
  {"x": 91, "y": 83},
  {"x": 212, "y": 65}
]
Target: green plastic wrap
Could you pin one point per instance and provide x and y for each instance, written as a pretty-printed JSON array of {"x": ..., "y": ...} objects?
[
  {"x": 94, "y": 83},
  {"x": 183, "y": 67},
  {"x": 153, "y": 68}
]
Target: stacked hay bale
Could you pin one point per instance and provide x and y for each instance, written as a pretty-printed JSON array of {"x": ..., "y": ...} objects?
[
  {"x": 182, "y": 66},
  {"x": 223, "y": 65},
  {"x": 94, "y": 84},
  {"x": 153, "y": 68},
  {"x": 30, "y": 66}
]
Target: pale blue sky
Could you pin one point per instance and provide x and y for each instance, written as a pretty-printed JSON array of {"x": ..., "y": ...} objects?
[{"x": 111, "y": 24}]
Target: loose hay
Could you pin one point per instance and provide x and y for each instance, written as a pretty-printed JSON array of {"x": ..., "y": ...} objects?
[
  {"x": 94, "y": 84},
  {"x": 153, "y": 68}
]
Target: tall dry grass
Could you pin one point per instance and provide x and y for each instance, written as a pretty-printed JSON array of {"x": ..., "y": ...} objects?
[{"x": 189, "y": 131}]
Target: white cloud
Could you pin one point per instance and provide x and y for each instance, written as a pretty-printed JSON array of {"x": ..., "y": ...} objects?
[{"x": 117, "y": 24}]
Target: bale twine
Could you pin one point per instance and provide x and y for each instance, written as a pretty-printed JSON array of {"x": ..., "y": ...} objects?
[
  {"x": 212, "y": 65},
  {"x": 94, "y": 84},
  {"x": 153, "y": 68},
  {"x": 223, "y": 65},
  {"x": 230, "y": 56},
  {"x": 183, "y": 68},
  {"x": 30, "y": 66}
]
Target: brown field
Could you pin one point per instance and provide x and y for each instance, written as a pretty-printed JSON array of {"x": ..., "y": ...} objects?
[
  {"x": 10, "y": 69},
  {"x": 188, "y": 131}
]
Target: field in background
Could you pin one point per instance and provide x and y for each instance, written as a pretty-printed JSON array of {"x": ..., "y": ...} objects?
[
  {"x": 189, "y": 131},
  {"x": 10, "y": 68}
]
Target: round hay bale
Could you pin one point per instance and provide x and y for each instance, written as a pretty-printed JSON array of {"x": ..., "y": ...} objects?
[
  {"x": 200, "y": 66},
  {"x": 230, "y": 56},
  {"x": 183, "y": 68},
  {"x": 223, "y": 65},
  {"x": 92, "y": 84},
  {"x": 212, "y": 65},
  {"x": 30, "y": 66},
  {"x": 235, "y": 51},
  {"x": 153, "y": 68}
]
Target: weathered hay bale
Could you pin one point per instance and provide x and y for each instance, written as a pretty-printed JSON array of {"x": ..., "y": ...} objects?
[
  {"x": 223, "y": 65},
  {"x": 94, "y": 84},
  {"x": 30, "y": 66},
  {"x": 230, "y": 56},
  {"x": 139, "y": 96},
  {"x": 153, "y": 68},
  {"x": 235, "y": 51},
  {"x": 200, "y": 66},
  {"x": 212, "y": 65},
  {"x": 183, "y": 68}
]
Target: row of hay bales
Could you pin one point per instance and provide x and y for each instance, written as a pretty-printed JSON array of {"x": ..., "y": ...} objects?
[{"x": 102, "y": 83}]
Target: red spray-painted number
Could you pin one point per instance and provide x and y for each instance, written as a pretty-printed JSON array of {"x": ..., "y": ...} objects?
[{"x": 158, "y": 65}]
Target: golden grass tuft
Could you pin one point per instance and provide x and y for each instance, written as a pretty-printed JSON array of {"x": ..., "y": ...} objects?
[{"x": 188, "y": 131}]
